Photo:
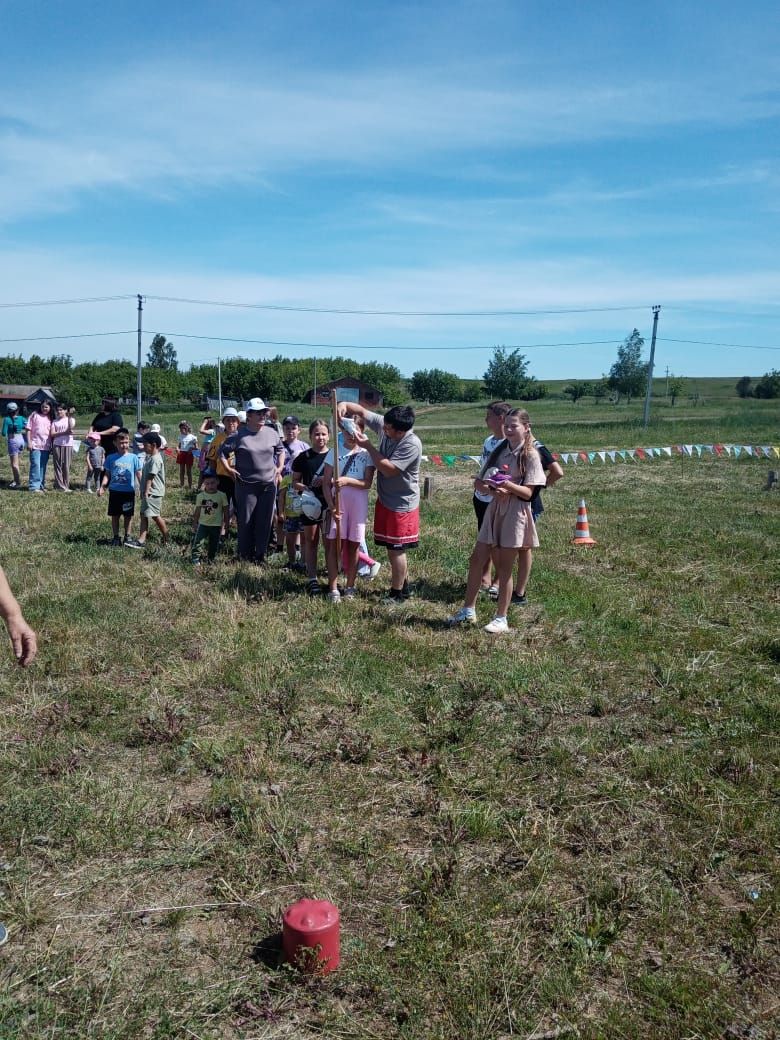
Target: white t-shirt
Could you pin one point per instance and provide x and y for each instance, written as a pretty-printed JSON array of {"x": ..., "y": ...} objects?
[
  {"x": 356, "y": 463},
  {"x": 491, "y": 443},
  {"x": 188, "y": 442}
]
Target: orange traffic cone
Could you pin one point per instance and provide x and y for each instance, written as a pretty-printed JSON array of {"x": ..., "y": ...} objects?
[{"x": 581, "y": 529}]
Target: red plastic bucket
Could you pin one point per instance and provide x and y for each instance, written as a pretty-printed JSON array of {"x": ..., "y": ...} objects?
[{"x": 310, "y": 935}]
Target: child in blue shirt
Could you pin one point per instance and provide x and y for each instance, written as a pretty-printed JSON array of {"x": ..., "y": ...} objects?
[{"x": 122, "y": 477}]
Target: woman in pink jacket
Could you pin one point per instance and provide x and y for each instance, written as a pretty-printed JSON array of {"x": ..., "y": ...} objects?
[{"x": 39, "y": 442}]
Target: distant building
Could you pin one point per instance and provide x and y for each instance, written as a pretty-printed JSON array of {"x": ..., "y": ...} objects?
[
  {"x": 211, "y": 404},
  {"x": 349, "y": 389},
  {"x": 26, "y": 397},
  {"x": 132, "y": 400}
]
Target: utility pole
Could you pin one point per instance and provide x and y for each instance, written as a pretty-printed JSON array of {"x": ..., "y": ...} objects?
[
  {"x": 649, "y": 394},
  {"x": 219, "y": 385},
  {"x": 138, "y": 386},
  {"x": 314, "y": 395},
  {"x": 667, "y": 380}
]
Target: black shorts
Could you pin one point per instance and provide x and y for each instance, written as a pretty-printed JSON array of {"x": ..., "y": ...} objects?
[
  {"x": 228, "y": 486},
  {"x": 121, "y": 503},
  {"x": 480, "y": 508}
]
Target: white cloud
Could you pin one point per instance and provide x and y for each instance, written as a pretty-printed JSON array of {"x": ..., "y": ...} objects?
[{"x": 167, "y": 128}]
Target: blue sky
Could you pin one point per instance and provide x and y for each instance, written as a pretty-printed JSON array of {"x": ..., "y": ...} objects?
[{"x": 412, "y": 157}]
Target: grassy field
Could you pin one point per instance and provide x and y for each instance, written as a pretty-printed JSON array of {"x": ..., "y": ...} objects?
[{"x": 571, "y": 830}]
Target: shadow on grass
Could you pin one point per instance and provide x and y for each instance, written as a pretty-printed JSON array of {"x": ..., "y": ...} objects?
[{"x": 268, "y": 951}]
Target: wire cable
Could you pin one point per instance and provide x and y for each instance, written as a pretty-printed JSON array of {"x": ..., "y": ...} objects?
[
  {"x": 357, "y": 346},
  {"x": 75, "y": 335},
  {"x": 58, "y": 303},
  {"x": 391, "y": 313},
  {"x": 711, "y": 343}
]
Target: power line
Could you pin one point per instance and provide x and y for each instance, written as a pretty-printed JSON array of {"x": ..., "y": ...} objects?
[
  {"x": 392, "y": 314},
  {"x": 57, "y": 303},
  {"x": 357, "y": 346},
  {"x": 710, "y": 343},
  {"x": 75, "y": 335}
]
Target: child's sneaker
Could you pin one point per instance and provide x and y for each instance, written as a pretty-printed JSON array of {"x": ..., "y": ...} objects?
[
  {"x": 519, "y": 599},
  {"x": 497, "y": 625},
  {"x": 13, "y": 484},
  {"x": 465, "y": 616},
  {"x": 116, "y": 541},
  {"x": 313, "y": 587},
  {"x": 334, "y": 596},
  {"x": 492, "y": 591},
  {"x": 133, "y": 543},
  {"x": 350, "y": 593}
]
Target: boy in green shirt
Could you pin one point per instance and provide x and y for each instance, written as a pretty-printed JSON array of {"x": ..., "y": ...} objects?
[
  {"x": 210, "y": 513},
  {"x": 152, "y": 491}
]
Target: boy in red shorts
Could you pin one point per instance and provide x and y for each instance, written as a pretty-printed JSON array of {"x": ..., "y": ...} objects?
[{"x": 397, "y": 463}]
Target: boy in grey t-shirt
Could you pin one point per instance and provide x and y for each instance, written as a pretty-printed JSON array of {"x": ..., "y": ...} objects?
[
  {"x": 397, "y": 463},
  {"x": 152, "y": 491}
]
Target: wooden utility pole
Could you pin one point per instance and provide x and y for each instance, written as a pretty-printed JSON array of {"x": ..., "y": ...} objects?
[
  {"x": 649, "y": 393},
  {"x": 138, "y": 381},
  {"x": 334, "y": 405}
]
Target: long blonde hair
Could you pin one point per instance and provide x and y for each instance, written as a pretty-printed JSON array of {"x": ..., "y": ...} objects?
[{"x": 526, "y": 446}]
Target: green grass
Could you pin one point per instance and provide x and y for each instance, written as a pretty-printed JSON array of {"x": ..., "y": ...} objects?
[{"x": 572, "y": 828}]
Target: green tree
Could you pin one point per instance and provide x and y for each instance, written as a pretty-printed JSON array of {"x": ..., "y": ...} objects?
[
  {"x": 578, "y": 389},
  {"x": 599, "y": 390},
  {"x": 434, "y": 385},
  {"x": 507, "y": 377},
  {"x": 676, "y": 386},
  {"x": 744, "y": 387},
  {"x": 628, "y": 375},
  {"x": 768, "y": 385},
  {"x": 162, "y": 354}
]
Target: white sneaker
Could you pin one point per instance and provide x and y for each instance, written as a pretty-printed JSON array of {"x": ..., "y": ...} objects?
[
  {"x": 465, "y": 616},
  {"x": 497, "y": 625},
  {"x": 334, "y": 596}
]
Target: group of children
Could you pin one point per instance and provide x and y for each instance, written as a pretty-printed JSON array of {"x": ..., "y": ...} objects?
[{"x": 322, "y": 494}]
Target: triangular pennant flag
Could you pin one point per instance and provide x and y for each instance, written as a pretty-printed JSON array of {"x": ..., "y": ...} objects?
[
  {"x": 667, "y": 451},
  {"x": 591, "y": 456},
  {"x": 612, "y": 455},
  {"x": 708, "y": 447},
  {"x": 688, "y": 449},
  {"x": 602, "y": 455},
  {"x": 748, "y": 449},
  {"x": 776, "y": 450},
  {"x": 631, "y": 452},
  {"x": 623, "y": 454},
  {"x": 449, "y": 459},
  {"x": 640, "y": 452},
  {"x": 436, "y": 459},
  {"x": 474, "y": 458},
  {"x": 737, "y": 450},
  {"x": 698, "y": 449},
  {"x": 767, "y": 451},
  {"x": 584, "y": 456},
  {"x": 556, "y": 456},
  {"x": 718, "y": 449}
]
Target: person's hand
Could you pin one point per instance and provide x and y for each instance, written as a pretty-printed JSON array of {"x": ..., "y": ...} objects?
[
  {"x": 100, "y": 491},
  {"x": 360, "y": 438},
  {"x": 482, "y": 486},
  {"x": 341, "y": 409},
  {"x": 23, "y": 639}
]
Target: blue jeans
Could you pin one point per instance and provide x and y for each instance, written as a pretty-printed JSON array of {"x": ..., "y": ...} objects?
[{"x": 39, "y": 460}]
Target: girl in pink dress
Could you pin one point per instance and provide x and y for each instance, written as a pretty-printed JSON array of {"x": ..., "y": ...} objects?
[{"x": 508, "y": 525}]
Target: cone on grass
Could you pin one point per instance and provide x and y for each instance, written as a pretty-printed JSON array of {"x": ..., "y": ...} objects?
[{"x": 581, "y": 529}]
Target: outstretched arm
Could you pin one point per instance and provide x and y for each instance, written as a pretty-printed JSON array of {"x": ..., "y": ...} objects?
[{"x": 23, "y": 639}]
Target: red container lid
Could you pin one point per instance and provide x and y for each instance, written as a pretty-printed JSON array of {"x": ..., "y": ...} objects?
[{"x": 309, "y": 916}]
